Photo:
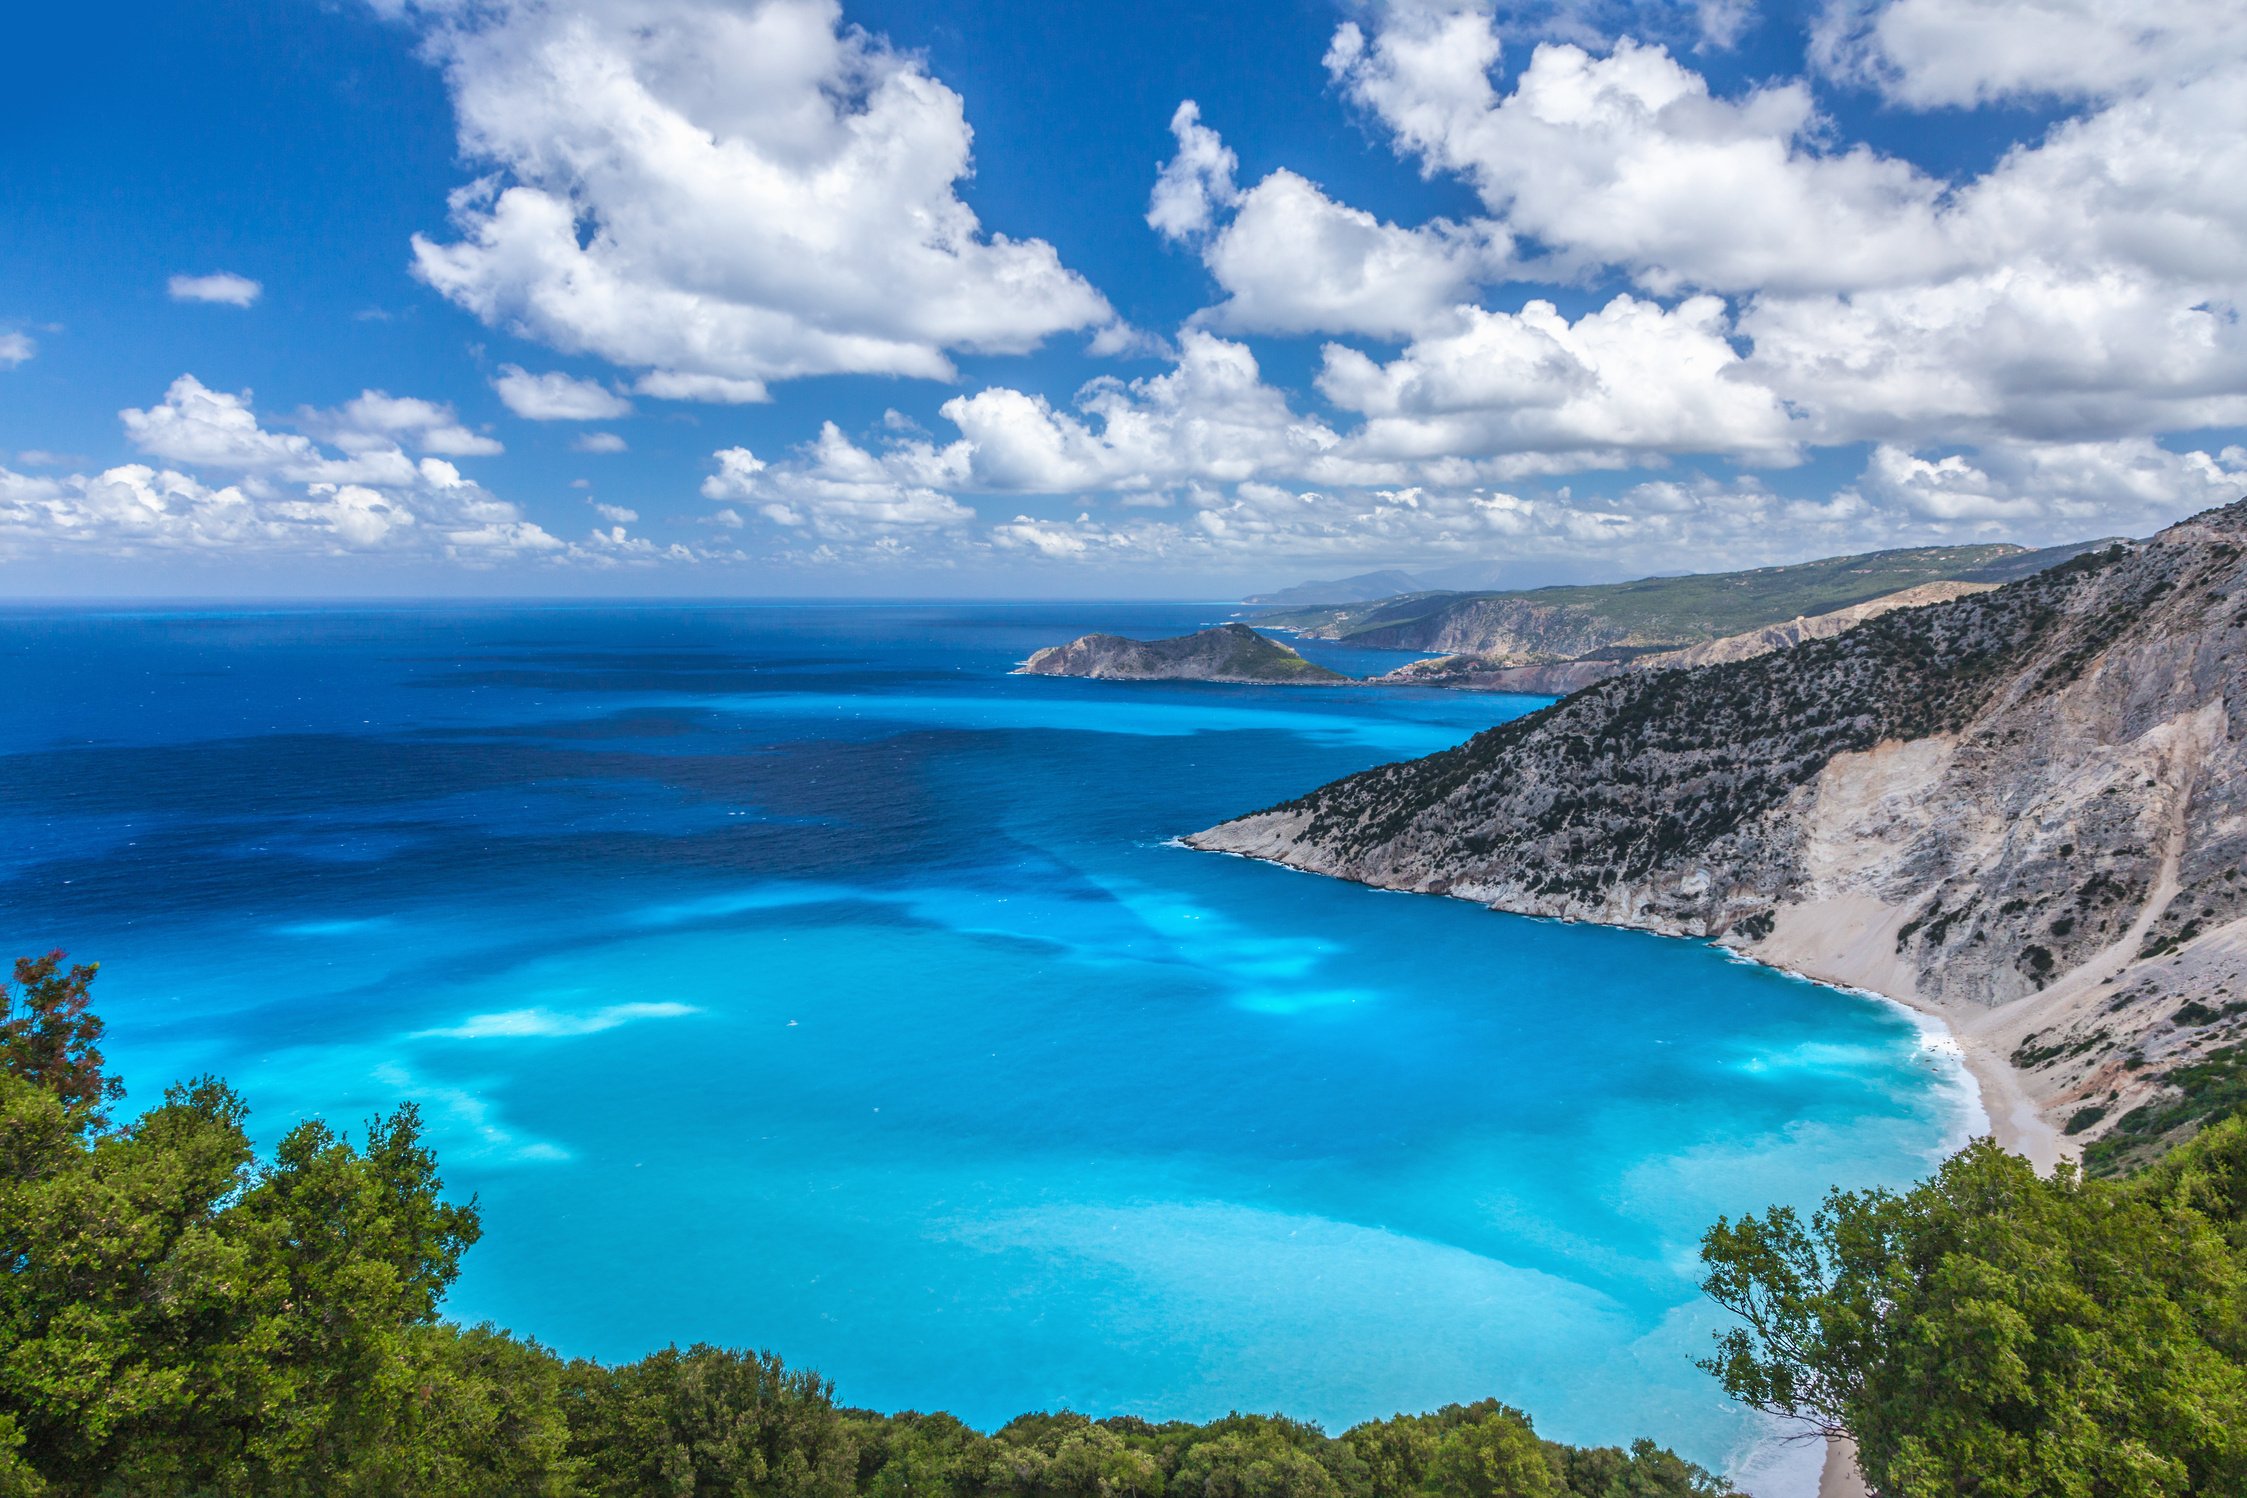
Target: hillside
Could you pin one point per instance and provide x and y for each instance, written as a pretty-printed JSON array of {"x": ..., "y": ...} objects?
[
  {"x": 2023, "y": 808},
  {"x": 1365, "y": 587},
  {"x": 1559, "y": 678},
  {"x": 1228, "y": 653},
  {"x": 1568, "y": 623}
]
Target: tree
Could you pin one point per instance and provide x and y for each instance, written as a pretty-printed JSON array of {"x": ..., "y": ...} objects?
[
  {"x": 918, "y": 1456},
  {"x": 1996, "y": 1333},
  {"x": 49, "y": 1037},
  {"x": 708, "y": 1420},
  {"x": 1066, "y": 1455},
  {"x": 1496, "y": 1456},
  {"x": 1266, "y": 1456},
  {"x": 179, "y": 1319},
  {"x": 1395, "y": 1452}
]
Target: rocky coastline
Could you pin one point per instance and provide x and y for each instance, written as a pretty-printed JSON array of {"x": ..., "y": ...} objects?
[{"x": 2022, "y": 811}]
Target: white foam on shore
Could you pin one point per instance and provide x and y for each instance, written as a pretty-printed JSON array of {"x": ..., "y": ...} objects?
[
  {"x": 1938, "y": 1045},
  {"x": 1778, "y": 1463}
]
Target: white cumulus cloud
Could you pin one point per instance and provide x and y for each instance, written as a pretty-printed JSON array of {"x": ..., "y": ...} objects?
[
  {"x": 1929, "y": 53},
  {"x": 555, "y": 396},
  {"x": 376, "y": 419},
  {"x": 278, "y": 493},
  {"x": 1293, "y": 260},
  {"x": 838, "y": 491},
  {"x": 221, "y": 287},
  {"x": 723, "y": 195}
]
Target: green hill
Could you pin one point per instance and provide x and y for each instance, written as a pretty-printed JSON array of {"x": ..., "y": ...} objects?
[{"x": 1573, "y": 621}]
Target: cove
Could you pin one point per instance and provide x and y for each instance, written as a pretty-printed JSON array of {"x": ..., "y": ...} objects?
[{"x": 793, "y": 976}]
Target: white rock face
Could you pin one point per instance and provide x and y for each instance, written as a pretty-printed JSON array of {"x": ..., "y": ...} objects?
[{"x": 2025, "y": 809}]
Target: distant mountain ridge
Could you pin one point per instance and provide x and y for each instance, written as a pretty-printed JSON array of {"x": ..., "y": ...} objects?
[
  {"x": 2025, "y": 808},
  {"x": 1366, "y": 587},
  {"x": 1559, "y": 678},
  {"x": 1228, "y": 653},
  {"x": 1525, "y": 627}
]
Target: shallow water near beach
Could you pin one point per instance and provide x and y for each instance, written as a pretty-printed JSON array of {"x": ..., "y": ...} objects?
[{"x": 793, "y": 976}]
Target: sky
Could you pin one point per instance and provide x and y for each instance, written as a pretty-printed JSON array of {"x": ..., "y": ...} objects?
[{"x": 1014, "y": 298}]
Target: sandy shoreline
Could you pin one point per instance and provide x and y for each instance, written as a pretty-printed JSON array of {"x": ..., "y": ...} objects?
[
  {"x": 2011, "y": 1116},
  {"x": 1849, "y": 942}
]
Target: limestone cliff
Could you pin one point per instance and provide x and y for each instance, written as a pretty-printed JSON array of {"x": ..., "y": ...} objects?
[
  {"x": 2024, "y": 808},
  {"x": 1228, "y": 653}
]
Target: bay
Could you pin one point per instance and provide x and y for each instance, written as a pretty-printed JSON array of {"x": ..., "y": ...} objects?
[{"x": 795, "y": 976}]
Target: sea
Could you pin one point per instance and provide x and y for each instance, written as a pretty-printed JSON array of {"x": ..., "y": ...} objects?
[{"x": 795, "y": 976}]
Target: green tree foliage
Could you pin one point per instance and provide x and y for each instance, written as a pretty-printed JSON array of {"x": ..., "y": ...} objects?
[
  {"x": 708, "y": 1421},
  {"x": 49, "y": 1036},
  {"x": 180, "y": 1319},
  {"x": 1993, "y": 1332},
  {"x": 1497, "y": 1456}
]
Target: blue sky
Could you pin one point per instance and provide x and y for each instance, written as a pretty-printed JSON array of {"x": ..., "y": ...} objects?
[{"x": 780, "y": 297}]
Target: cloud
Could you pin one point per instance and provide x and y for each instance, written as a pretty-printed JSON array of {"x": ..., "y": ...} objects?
[
  {"x": 16, "y": 348},
  {"x": 135, "y": 509},
  {"x": 376, "y": 419},
  {"x": 199, "y": 426},
  {"x": 724, "y": 390},
  {"x": 281, "y": 493},
  {"x": 2085, "y": 288},
  {"x": 1210, "y": 417},
  {"x": 1293, "y": 260},
  {"x": 2124, "y": 485},
  {"x": 723, "y": 196},
  {"x": 556, "y": 396},
  {"x": 614, "y": 514},
  {"x": 1493, "y": 395},
  {"x": 1196, "y": 181},
  {"x": 835, "y": 490},
  {"x": 221, "y": 287},
  {"x": 1932, "y": 53},
  {"x": 1633, "y": 376},
  {"x": 2028, "y": 352},
  {"x": 1629, "y": 160},
  {"x": 598, "y": 442}
]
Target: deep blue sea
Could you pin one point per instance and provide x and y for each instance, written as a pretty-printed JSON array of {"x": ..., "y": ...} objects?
[{"x": 794, "y": 976}]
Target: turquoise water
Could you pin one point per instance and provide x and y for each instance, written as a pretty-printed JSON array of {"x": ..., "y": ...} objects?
[{"x": 797, "y": 977}]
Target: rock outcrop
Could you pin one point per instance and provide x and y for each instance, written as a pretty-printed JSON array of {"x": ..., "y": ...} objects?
[
  {"x": 1228, "y": 653},
  {"x": 2025, "y": 809}
]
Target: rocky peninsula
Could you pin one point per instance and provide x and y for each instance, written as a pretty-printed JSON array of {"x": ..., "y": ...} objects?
[
  {"x": 1229, "y": 653},
  {"x": 2022, "y": 810}
]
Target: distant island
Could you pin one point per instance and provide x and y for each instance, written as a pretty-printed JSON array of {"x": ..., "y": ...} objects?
[{"x": 1229, "y": 653}]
